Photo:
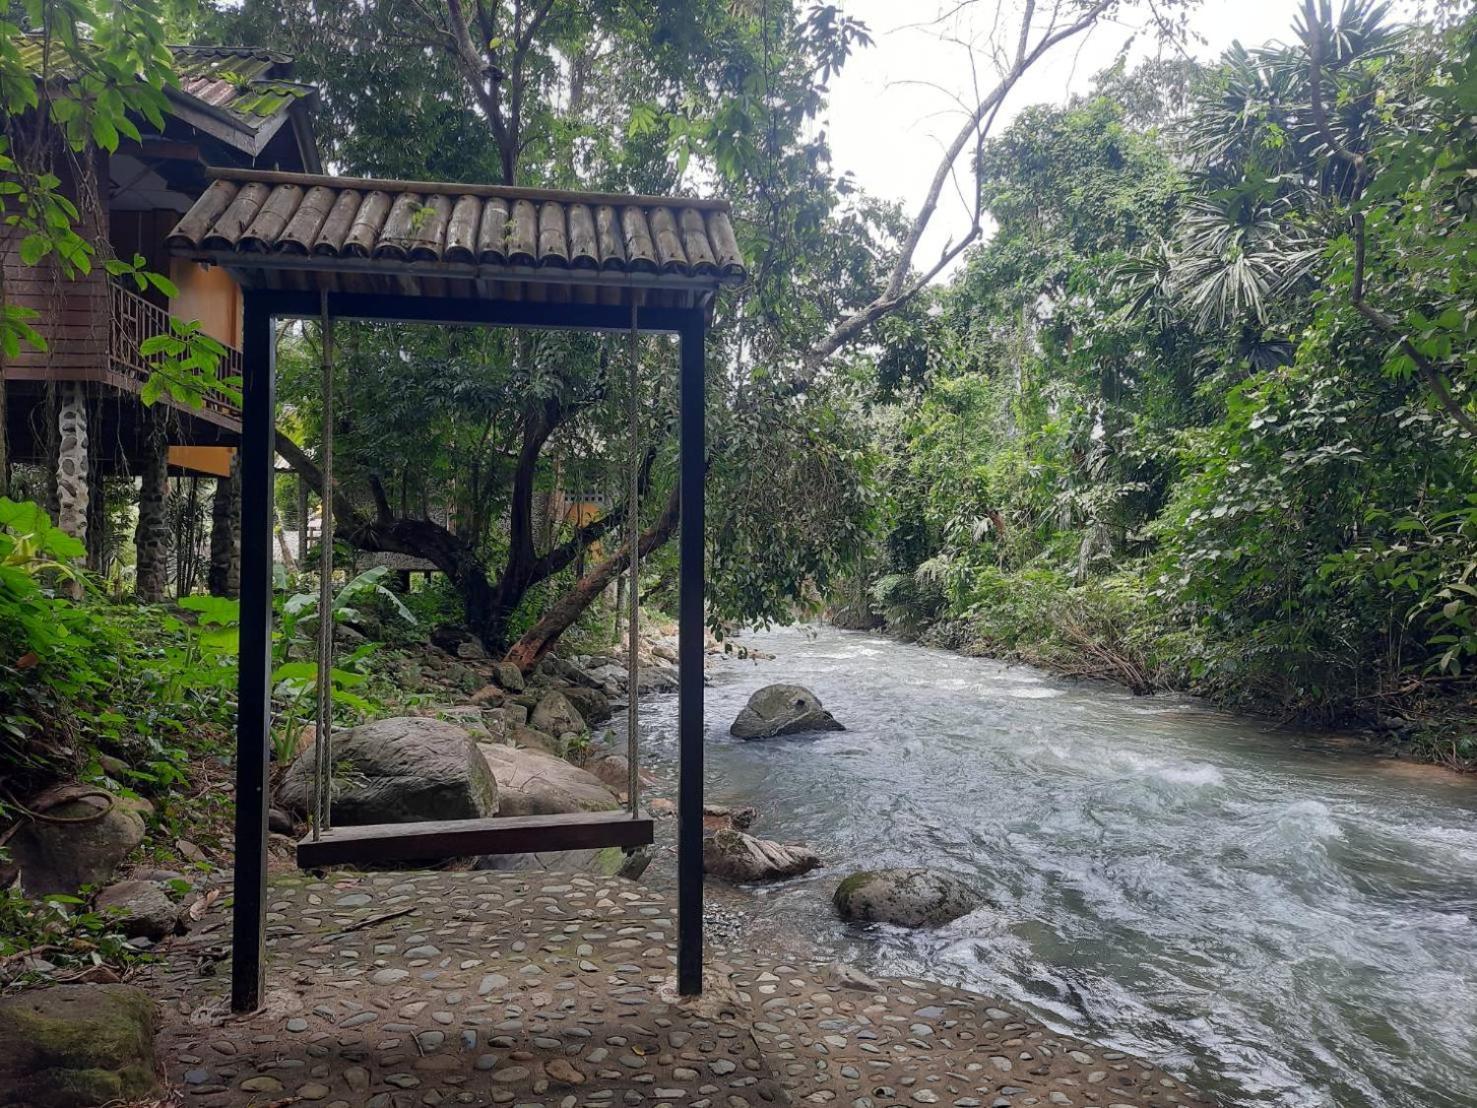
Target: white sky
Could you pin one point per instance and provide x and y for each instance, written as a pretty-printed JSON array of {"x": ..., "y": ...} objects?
[{"x": 888, "y": 127}]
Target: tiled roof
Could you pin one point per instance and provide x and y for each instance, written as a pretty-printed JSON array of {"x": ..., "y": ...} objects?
[
  {"x": 261, "y": 224},
  {"x": 251, "y": 84},
  {"x": 248, "y": 84}
]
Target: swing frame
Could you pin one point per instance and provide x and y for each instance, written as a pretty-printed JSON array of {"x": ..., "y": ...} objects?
[
  {"x": 303, "y": 246},
  {"x": 261, "y": 310}
]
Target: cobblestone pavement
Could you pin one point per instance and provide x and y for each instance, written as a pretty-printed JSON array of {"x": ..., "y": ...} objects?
[{"x": 395, "y": 990}]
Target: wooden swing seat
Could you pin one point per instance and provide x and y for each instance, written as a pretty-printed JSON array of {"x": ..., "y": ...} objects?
[{"x": 457, "y": 838}]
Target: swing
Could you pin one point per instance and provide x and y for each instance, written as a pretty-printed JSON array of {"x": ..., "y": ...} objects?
[{"x": 326, "y": 845}]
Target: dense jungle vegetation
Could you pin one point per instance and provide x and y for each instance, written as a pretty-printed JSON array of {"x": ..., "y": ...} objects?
[{"x": 1198, "y": 415}]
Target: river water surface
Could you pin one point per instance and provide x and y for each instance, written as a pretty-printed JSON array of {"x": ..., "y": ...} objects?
[{"x": 1280, "y": 922}]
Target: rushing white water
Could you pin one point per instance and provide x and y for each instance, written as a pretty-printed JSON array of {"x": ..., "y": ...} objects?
[{"x": 1281, "y": 922}]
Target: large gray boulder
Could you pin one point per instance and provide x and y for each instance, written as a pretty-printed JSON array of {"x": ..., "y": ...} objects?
[
  {"x": 741, "y": 858},
  {"x": 782, "y": 710},
  {"x": 141, "y": 909},
  {"x": 592, "y": 704},
  {"x": 76, "y": 1046},
  {"x": 533, "y": 783},
  {"x": 905, "y": 897},
  {"x": 557, "y": 669},
  {"x": 400, "y": 770},
  {"x": 75, "y": 846},
  {"x": 508, "y": 676},
  {"x": 555, "y": 715}
]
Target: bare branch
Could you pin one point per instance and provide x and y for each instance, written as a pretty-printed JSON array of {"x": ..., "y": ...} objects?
[{"x": 900, "y": 287}]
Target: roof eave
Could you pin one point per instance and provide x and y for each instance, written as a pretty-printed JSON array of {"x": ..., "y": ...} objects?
[
  {"x": 223, "y": 125},
  {"x": 243, "y": 265}
]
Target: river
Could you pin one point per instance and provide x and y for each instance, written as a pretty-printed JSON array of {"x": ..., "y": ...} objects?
[{"x": 1281, "y": 921}]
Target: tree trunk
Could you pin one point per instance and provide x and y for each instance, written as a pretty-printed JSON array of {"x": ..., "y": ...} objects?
[
  {"x": 151, "y": 538},
  {"x": 224, "y": 578},
  {"x": 284, "y": 549},
  {"x": 302, "y": 516},
  {"x": 528, "y": 651}
]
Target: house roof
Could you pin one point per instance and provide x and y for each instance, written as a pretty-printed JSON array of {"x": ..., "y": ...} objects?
[
  {"x": 238, "y": 94},
  {"x": 273, "y": 230},
  {"x": 251, "y": 84}
]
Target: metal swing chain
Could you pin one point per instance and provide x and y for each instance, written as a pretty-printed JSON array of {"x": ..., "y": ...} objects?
[
  {"x": 323, "y": 733},
  {"x": 633, "y": 520}
]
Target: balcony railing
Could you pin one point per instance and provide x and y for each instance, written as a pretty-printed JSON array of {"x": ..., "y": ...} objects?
[{"x": 135, "y": 319}]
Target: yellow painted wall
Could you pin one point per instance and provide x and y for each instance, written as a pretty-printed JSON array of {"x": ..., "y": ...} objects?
[
  {"x": 210, "y": 461},
  {"x": 207, "y": 294}
]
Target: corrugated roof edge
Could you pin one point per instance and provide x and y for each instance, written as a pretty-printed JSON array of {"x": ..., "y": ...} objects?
[
  {"x": 260, "y": 53},
  {"x": 449, "y": 188}
]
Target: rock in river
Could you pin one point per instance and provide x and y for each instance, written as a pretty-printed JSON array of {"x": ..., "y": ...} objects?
[
  {"x": 905, "y": 897},
  {"x": 741, "y": 858},
  {"x": 399, "y": 771},
  {"x": 782, "y": 710}
]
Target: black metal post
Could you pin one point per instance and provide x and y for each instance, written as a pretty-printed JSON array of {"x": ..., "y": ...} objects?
[
  {"x": 253, "y": 705},
  {"x": 690, "y": 662}
]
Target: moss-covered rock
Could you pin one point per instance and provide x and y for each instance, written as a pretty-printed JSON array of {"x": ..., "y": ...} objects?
[
  {"x": 76, "y": 1046},
  {"x": 76, "y": 846},
  {"x": 741, "y": 858},
  {"x": 905, "y": 897},
  {"x": 782, "y": 710},
  {"x": 399, "y": 770}
]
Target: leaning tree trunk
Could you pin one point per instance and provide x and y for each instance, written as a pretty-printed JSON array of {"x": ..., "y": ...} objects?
[
  {"x": 224, "y": 577},
  {"x": 151, "y": 539},
  {"x": 539, "y": 639}
]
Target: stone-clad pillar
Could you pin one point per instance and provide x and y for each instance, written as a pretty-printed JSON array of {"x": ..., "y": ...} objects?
[
  {"x": 151, "y": 539},
  {"x": 71, "y": 460}
]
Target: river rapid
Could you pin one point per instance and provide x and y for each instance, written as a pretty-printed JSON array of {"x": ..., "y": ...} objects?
[{"x": 1278, "y": 919}]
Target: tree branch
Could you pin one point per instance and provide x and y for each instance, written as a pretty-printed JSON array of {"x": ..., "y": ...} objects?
[
  {"x": 899, "y": 289},
  {"x": 567, "y": 552},
  {"x": 1313, "y": 35},
  {"x": 528, "y": 650}
]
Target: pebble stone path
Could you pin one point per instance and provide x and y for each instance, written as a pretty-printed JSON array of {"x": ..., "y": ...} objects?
[{"x": 397, "y": 990}]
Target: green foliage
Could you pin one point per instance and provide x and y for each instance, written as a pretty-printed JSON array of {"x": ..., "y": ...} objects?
[
  {"x": 59, "y": 930},
  {"x": 1151, "y": 431},
  {"x": 481, "y": 427}
]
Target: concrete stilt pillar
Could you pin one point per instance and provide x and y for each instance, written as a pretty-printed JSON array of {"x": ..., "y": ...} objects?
[
  {"x": 71, "y": 460},
  {"x": 225, "y": 534},
  {"x": 151, "y": 539}
]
